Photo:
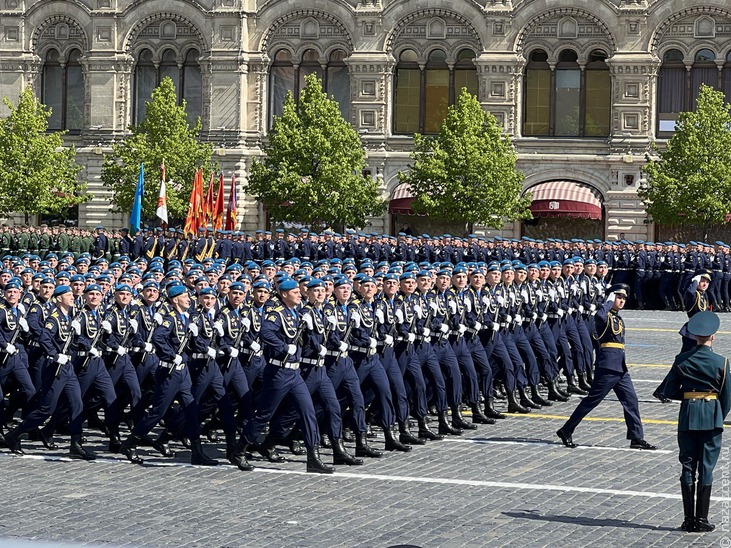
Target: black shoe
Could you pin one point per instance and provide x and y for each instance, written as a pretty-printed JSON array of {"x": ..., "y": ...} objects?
[
  {"x": 514, "y": 406},
  {"x": 478, "y": 417},
  {"x": 426, "y": 433},
  {"x": 405, "y": 435},
  {"x": 348, "y": 435},
  {"x": 583, "y": 384},
  {"x": 536, "y": 397},
  {"x": 238, "y": 457},
  {"x": 315, "y": 465},
  {"x": 392, "y": 444},
  {"x": 46, "y": 437},
  {"x": 491, "y": 412},
  {"x": 554, "y": 394},
  {"x": 565, "y": 438},
  {"x": 295, "y": 447},
  {"x": 128, "y": 449},
  {"x": 76, "y": 451},
  {"x": 115, "y": 444},
  {"x": 459, "y": 422},
  {"x": 270, "y": 453},
  {"x": 341, "y": 456},
  {"x": 161, "y": 445},
  {"x": 573, "y": 389},
  {"x": 702, "y": 505},
  {"x": 688, "y": 492},
  {"x": 198, "y": 457},
  {"x": 12, "y": 442},
  {"x": 641, "y": 444},
  {"x": 445, "y": 428},
  {"x": 362, "y": 449}
]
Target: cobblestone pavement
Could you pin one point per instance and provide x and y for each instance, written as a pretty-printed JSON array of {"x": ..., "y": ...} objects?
[{"x": 511, "y": 484}]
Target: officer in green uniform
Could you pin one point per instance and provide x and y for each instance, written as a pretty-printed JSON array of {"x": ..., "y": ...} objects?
[
  {"x": 87, "y": 241},
  {"x": 698, "y": 378},
  {"x": 63, "y": 241},
  {"x": 75, "y": 243},
  {"x": 6, "y": 240},
  {"x": 22, "y": 241},
  {"x": 44, "y": 241}
]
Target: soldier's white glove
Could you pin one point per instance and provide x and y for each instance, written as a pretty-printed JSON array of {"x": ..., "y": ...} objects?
[
  {"x": 496, "y": 326},
  {"x": 544, "y": 317},
  {"x": 581, "y": 309},
  {"x": 411, "y": 337},
  {"x": 63, "y": 359},
  {"x": 524, "y": 294},
  {"x": 133, "y": 325},
  {"x": 218, "y": 326},
  {"x": 696, "y": 279},
  {"x": 511, "y": 296},
  {"x": 307, "y": 318},
  {"x": 121, "y": 350},
  {"x": 322, "y": 351},
  {"x": 534, "y": 316},
  {"x": 501, "y": 300},
  {"x": 444, "y": 328},
  {"x": 468, "y": 305},
  {"x": 333, "y": 321},
  {"x": 388, "y": 340},
  {"x": 434, "y": 307},
  {"x": 94, "y": 352},
  {"x": 343, "y": 347},
  {"x": 193, "y": 328},
  {"x": 178, "y": 359},
  {"x": 400, "y": 316},
  {"x": 255, "y": 346},
  {"x": 75, "y": 325},
  {"x": 158, "y": 318},
  {"x": 571, "y": 310},
  {"x": 210, "y": 352},
  {"x": 418, "y": 311},
  {"x": 23, "y": 323},
  {"x": 291, "y": 349},
  {"x": 592, "y": 308},
  {"x": 539, "y": 293},
  {"x": 599, "y": 287},
  {"x": 106, "y": 326},
  {"x": 11, "y": 349},
  {"x": 233, "y": 352},
  {"x": 508, "y": 319},
  {"x": 148, "y": 347},
  {"x": 246, "y": 323},
  {"x": 453, "y": 307},
  {"x": 21, "y": 309},
  {"x": 560, "y": 312},
  {"x": 461, "y": 329},
  {"x": 610, "y": 297},
  {"x": 379, "y": 316},
  {"x": 355, "y": 317},
  {"x": 372, "y": 343},
  {"x": 518, "y": 319},
  {"x": 552, "y": 293},
  {"x": 426, "y": 332},
  {"x": 478, "y": 326}
]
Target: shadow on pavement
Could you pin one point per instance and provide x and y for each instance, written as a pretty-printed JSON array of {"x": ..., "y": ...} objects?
[{"x": 583, "y": 520}]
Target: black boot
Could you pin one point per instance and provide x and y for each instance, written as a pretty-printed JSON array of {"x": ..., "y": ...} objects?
[
  {"x": 445, "y": 428},
  {"x": 426, "y": 433},
  {"x": 478, "y": 417},
  {"x": 491, "y": 412},
  {"x": 560, "y": 390},
  {"x": 393, "y": 444},
  {"x": 76, "y": 451},
  {"x": 161, "y": 444},
  {"x": 571, "y": 387},
  {"x": 589, "y": 375},
  {"x": 525, "y": 401},
  {"x": 405, "y": 435},
  {"x": 12, "y": 441},
  {"x": 46, "y": 436},
  {"x": 702, "y": 505},
  {"x": 230, "y": 445},
  {"x": 267, "y": 450},
  {"x": 315, "y": 465},
  {"x": 458, "y": 420},
  {"x": 500, "y": 392},
  {"x": 536, "y": 397},
  {"x": 553, "y": 393},
  {"x": 514, "y": 406},
  {"x": 583, "y": 384},
  {"x": 238, "y": 456},
  {"x": 341, "y": 456},
  {"x": 198, "y": 457},
  {"x": 129, "y": 449},
  {"x": 362, "y": 449},
  {"x": 688, "y": 491}
]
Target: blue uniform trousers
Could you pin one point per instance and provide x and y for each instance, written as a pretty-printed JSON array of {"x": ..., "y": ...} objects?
[
  {"x": 410, "y": 367},
  {"x": 453, "y": 369},
  {"x": 482, "y": 365},
  {"x": 16, "y": 367},
  {"x": 541, "y": 353},
  {"x": 552, "y": 369},
  {"x": 396, "y": 380},
  {"x": 373, "y": 378},
  {"x": 432, "y": 374},
  {"x": 533, "y": 374},
  {"x": 346, "y": 383},
  {"x": 587, "y": 346},
  {"x": 500, "y": 361},
  {"x": 562, "y": 345}
]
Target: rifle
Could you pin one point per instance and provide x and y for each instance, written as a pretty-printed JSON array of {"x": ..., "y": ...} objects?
[
  {"x": 149, "y": 338},
  {"x": 237, "y": 342},
  {"x": 124, "y": 340},
  {"x": 16, "y": 334},
  {"x": 410, "y": 344},
  {"x": 96, "y": 338},
  {"x": 346, "y": 336},
  {"x": 67, "y": 344}
]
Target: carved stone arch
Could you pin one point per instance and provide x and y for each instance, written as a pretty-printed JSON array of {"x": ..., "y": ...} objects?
[
  {"x": 418, "y": 48},
  {"x": 433, "y": 13},
  {"x": 334, "y": 46},
  {"x": 459, "y": 46},
  {"x": 665, "y": 26},
  {"x": 560, "y": 14},
  {"x": 302, "y": 48},
  {"x": 281, "y": 27},
  {"x": 432, "y": 47},
  {"x": 673, "y": 44},
  {"x": 185, "y": 29},
  {"x": 544, "y": 45},
  {"x": 45, "y": 32},
  {"x": 697, "y": 46}
]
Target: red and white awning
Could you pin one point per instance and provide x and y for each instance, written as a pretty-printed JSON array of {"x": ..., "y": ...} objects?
[
  {"x": 401, "y": 200},
  {"x": 565, "y": 199}
]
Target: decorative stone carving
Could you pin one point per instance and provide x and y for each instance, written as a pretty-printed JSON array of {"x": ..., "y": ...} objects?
[{"x": 433, "y": 24}]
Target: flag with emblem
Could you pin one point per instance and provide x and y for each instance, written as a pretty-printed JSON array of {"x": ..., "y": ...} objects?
[
  {"x": 231, "y": 213},
  {"x": 162, "y": 200},
  {"x": 196, "y": 213},
  {"x": 135, "y": 217},
  {"x": 218, "y": 208}
]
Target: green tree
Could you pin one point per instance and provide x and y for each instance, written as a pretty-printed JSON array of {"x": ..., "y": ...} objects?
[
  {"x": 312, "y": 171},
  {"x": 467, "y": 172},
  {"x": 37, "y": 173},
  {"x": 164, "y": 135},
  {"x": 690, "y": 183}
]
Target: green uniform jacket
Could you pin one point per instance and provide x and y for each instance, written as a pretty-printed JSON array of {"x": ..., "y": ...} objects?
[
  {"x": 699, "y": 370},
  {"x": 63, "y": 243}
]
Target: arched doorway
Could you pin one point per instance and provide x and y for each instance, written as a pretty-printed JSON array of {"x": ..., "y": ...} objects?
[{"x": 565, "y": 210}]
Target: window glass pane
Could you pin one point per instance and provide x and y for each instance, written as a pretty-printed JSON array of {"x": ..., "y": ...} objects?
[
  {"x": 727, "y": 82},
  {"x": 673, "y": 55},
  {"x": 408, "y": 56},
  {"x": 309, "y": 69},
  {"x": 537, "y": 102},
  {"x": 598, "y": 103},
  {"x": 705, "y": 55},
  {"x": 281, "y": 81},
  {"x": 465, "y": 78},
  {"x": 671, "y": 90},
  {"x": 568, "y": 94},
  {"x": 193, "y": 92},
  {"x": 74, "y": 98},
  {"x": 702, "y": 75},
  {"x": 338, "y": 85},
  {"x": 145, "y": 82},
  {"x": 406, "y": 103},
  {"x": 52, "y": 94},
  {"x": 437, "y": 99},
  {"x": 172, "y": 72}
]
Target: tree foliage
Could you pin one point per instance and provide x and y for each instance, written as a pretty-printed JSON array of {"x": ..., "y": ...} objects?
[
  {"x": 37, "y": 173},
  {"x": 690, "y": 183},
  {"x": 164, "y": 135},
  {"x": 312, "y": 171},
  {"x": 467, "y": 172}
]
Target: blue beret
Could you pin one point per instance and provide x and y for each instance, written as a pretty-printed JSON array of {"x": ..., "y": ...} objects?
[
  {"x": 459, "y": 270},
  {"x": 314, "y": 282},
  {"x": 13, "y": 283},
  {"x": 408, "y": 276},
  {"x": 262, "y": 284},
  {"x": 237, "y": 286},
  {"x": 207, "y": 291},
  {"x": 93, "y": 287},
  {"x": 123, "y": 287},
  {"x": 60, "y": 290},
  {"x": 367, "y": 280},
  {"x": 506, "y": 268},
  {"x": 151, "y": 284},
  {"x": 287, "y": 284},
  {"x": 176, "y": 290}
]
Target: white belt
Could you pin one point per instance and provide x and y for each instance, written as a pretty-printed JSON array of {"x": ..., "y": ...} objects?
[
  {"x": 284, "y": 364},
  {"x": 199, "y": 356},
  {"x": 312, "y": 361},
  {"x": 171, "y": 365},
  {"x": 248, "y": 351},
  {"x": 363, "y": 350},
  {"x": 337, "y": 353}
]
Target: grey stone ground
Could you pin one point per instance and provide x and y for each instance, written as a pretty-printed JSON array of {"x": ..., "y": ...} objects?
[{"x": 511, "y": 484}]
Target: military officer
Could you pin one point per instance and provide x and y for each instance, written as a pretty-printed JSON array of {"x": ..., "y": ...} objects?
[
  {"x": 695, "y": 300},
  {"x": 698, "y": 379}
]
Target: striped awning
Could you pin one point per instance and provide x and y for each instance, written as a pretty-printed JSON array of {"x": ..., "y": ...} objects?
[
  {"x": 401, "y": 200},
  {"x": 565, "y": 199}
]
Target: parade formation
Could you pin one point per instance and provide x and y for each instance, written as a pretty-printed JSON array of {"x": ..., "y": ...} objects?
[{"x": 310, "y": 341}]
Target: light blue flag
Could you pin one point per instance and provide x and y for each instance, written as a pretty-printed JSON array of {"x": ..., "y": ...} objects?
[{"x": 136, "y": 216}]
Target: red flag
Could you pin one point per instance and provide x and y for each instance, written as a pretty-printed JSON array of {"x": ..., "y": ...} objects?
[
  {"x": 231, "y": 215},
  {"x": 218, "y": 208},
  {"x": 196, "y": 215},
  {"x": 209, "y": 203}
]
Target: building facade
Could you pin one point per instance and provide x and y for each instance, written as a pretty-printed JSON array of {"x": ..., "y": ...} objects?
[{"x": 582, "y": 86}]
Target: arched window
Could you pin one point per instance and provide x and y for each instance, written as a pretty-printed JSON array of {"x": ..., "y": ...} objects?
[
  {"x": 568, "y": 101},
  {"x": 63, "y": 91},
  {"x": 423, "y": 94},
  {"x": 187, "y": 79},
  {"x": 286, "y": 76},
  {"x": 704, "y": 71}
]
